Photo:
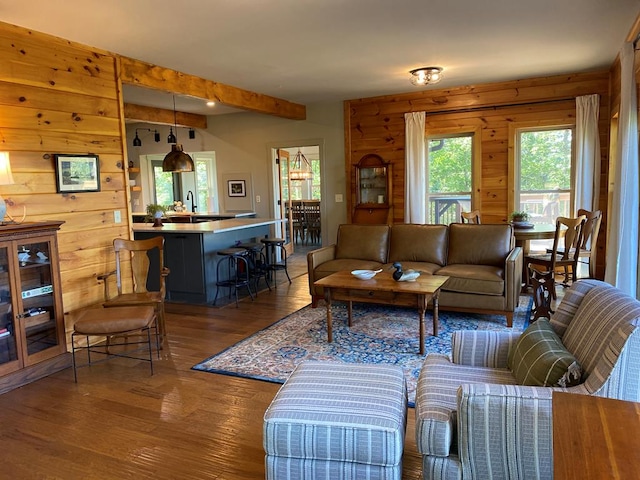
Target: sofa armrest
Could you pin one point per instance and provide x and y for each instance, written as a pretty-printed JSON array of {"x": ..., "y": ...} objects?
[
  {"x": 505, "y": 431},
  {"x": 318, "y": 257},
  {"x": 482, "y": 348},
  {"x": 513, "y": 278}
]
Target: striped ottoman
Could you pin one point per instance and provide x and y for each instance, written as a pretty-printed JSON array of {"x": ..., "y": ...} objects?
[{"x": 336, "y": 420}]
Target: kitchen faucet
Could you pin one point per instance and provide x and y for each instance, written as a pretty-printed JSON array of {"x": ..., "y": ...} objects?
[{"x": 193, "y": 205}]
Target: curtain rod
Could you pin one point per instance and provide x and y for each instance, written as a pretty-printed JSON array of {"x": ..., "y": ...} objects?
[{"x": 496, "y": 107}]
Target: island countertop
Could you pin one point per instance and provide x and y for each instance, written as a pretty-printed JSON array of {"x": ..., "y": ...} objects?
[{"x": 214, "y": 226}]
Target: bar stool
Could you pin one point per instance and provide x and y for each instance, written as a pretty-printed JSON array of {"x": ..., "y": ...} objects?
[
  {"x": 273, "y": 246},
  {"x": 232, "y": 272},
  {"x": 257, "y": 263}
]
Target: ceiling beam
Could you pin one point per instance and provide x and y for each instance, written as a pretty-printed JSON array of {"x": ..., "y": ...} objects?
[
  {"x": 141, "y": 74},
  {"x": 163, "y": 116}
]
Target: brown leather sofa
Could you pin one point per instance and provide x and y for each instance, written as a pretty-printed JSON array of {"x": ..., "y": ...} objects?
[{"x": 482, "y": 262}]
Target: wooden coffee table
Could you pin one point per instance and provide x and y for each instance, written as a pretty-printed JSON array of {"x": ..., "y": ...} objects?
[{"x": 384, "y": 290}]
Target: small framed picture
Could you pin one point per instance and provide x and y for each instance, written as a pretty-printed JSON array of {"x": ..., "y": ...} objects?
[
  {"x": 237, "y": 188},
  {"x": 77, "y": 173}
]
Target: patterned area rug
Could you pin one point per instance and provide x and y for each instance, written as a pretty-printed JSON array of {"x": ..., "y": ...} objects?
[{"x": 379, "y": 334}]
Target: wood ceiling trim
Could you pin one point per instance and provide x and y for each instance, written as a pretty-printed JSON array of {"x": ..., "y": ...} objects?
[
  {"x": 141, "y": 74},
  {"x": 159, "y": 115}
]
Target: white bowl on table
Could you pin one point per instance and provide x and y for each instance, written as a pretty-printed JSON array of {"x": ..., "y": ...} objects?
[{"x": 365, "y": 274}]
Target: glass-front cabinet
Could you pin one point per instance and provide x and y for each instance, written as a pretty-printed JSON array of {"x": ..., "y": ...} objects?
[
  {"x": 31, "y": 316},
  {"x": 373, "y": 190}
]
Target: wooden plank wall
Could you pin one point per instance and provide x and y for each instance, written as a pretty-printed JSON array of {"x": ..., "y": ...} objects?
[
  {"x": 376, "y": 125},
  {"x": 60, "y": 97}
]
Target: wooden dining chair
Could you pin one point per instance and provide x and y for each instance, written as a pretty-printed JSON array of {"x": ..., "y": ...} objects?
[
  {"x": 590, "y": 233},
  {"x": 563, "y": 254},
  {"x": 141, "y": 284},
  {"x": 470, "y": 217}
]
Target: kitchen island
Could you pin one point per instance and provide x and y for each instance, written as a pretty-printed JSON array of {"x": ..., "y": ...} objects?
[
  {"x": 190, "y": 252},
  {"x": 195, "y": 217}
]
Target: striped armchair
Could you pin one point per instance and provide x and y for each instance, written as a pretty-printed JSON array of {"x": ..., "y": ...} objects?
[{"x": 473, "y": 420}]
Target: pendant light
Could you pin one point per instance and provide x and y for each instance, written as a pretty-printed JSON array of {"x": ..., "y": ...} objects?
[
  {"x": 300, "y": 168},
  {"x": 176, "y": 160}
]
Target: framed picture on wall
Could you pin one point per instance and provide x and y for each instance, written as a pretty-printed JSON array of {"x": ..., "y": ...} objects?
[
  {"x": 77, "y": 173},
  {"x": 237, "y": 188}
]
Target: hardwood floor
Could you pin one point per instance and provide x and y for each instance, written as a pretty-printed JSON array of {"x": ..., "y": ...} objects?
[{"x": 119, "y": 422}]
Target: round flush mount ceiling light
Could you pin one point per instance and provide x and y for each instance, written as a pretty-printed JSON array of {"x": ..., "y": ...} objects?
[{"x": 426, "y": 75}]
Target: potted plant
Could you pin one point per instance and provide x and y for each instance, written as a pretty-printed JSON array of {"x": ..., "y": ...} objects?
[
  {"x": 155, "y": 212},
  {"x": 520, "y": 217}
]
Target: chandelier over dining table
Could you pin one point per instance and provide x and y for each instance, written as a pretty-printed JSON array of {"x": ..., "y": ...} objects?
[{"x": 300, "y": 168}]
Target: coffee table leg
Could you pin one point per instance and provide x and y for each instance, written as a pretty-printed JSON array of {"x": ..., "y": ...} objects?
[
  {"x": 327, "y": 299},
  {"x": 421, "y": 312},
  {"x": 435, "y": 314},
  {"x": 350, "y": 310}
]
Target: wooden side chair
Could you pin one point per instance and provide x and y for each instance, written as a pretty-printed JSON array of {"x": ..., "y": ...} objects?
[
  {"x": 561, "y": 255},
  {"x": 146, "y": 285},
  {"x": 312, "y": 219},
  {"x": 590, "y": 233},
  {"x": 590, "y": 230},
  {"x": 470, "y": 217}
]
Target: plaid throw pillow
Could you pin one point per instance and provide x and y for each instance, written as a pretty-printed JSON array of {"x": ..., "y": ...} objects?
[{"x": 539, "y": 358}]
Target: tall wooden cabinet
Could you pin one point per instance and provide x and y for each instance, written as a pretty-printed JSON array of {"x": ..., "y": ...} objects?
[
  {"x": 32, "y": 334},
  {"x": 373, "y": 190}
]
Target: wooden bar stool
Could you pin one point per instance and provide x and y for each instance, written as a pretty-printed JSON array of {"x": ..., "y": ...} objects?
[{"x": 273, "y": 247}]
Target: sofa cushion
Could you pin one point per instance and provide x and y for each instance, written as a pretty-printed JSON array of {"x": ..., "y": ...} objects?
[
  {"x": 363, "y": 242},
  {"x": 480, "y": 279},
  {"x": 539, "y": 358},
  {"x": 436, "y": 400},
  {"x": 568, "y": 307},
  {"x": 418, "y": 243},
  {"x": 479, "y": 244},
  {"x": 423, "y": 267},
  {"x": 600, "y": 329},
  {"x": 344, "y": 264}
]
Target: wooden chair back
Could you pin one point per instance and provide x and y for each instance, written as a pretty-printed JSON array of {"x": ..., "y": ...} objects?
[
  {"x": 591, "y": 228},
  {"x": 571, "y": 229},
  {"x": 138, "y": 252},
  {"x": 470, "y": 217}
]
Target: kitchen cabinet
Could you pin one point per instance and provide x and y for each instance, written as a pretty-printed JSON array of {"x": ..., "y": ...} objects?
[
  {"x": 32, "y": 336},
  {"x": 373, "y": 190}
]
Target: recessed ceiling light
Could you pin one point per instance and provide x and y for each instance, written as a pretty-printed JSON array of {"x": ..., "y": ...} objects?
[{"x": 210, "y": 103}]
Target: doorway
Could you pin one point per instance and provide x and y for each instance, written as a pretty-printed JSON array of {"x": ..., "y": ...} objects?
[{"x": 298, "y": 195}]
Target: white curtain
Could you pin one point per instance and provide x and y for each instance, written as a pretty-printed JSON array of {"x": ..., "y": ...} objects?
[
  {"x": 622, "y": 241},
  {"x": 587, "y": 186},
  {"x": 415, "y": 177}
]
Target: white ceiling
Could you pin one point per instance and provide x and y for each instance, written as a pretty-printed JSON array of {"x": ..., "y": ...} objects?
[{"x": 308, "y": 51}]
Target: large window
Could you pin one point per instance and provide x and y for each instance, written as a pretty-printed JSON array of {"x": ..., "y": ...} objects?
[
  {"x": 449, "y": 177},
  {"x": 167, "y": 186},
  {"x": 544, "y": 173}
]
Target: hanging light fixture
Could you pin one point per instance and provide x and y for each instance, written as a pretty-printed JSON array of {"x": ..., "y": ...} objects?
[
  {"x": 172, "y": 138},
  {"x": 137, "y": 142},
  {"x": 176, "y": 160},
  {"x": 301, "y": 168},
  {"x": 426, "y": 75}
]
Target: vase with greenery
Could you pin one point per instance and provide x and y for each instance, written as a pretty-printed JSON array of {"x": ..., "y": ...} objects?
[
  {"x": 520, "y": 217},
  {"x": 155, "y": 212}
]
